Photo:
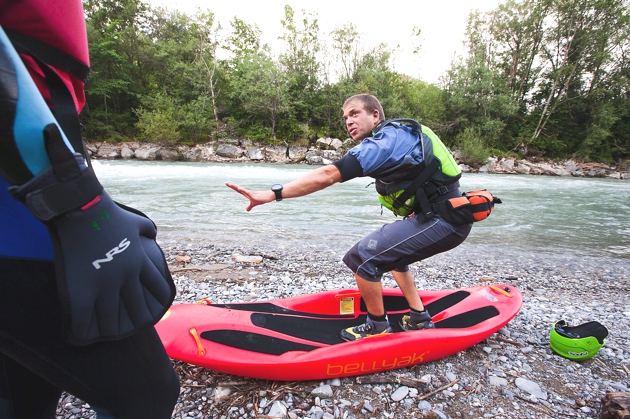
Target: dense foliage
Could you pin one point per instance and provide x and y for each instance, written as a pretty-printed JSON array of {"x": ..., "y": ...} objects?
[{"x": 538, "y": 76}]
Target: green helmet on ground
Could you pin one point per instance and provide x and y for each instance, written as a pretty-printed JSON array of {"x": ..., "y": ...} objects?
[{"x": 577, "y": 343}]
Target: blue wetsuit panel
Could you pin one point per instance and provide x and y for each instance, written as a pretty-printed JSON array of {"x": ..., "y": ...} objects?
[
  {"x": 32, "y": 115},
  {"x": 21, "y": 234}
]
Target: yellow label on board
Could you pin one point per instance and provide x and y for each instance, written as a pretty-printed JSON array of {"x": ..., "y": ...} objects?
[{"x": 346, "y": 305}]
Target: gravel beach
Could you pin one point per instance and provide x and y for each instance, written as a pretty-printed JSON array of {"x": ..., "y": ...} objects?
[{"x": 512, "y": 374}]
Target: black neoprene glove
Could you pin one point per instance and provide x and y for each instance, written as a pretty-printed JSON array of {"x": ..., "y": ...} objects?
[{"x": 112, "y": 277}]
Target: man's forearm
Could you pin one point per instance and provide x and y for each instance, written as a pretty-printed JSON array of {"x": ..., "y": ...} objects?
[{"x": 313, "y": 181}]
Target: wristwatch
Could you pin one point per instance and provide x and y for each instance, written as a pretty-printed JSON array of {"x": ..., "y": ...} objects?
[{"x": 277, "y": 189}]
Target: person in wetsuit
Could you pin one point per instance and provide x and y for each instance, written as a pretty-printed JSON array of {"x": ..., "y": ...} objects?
[
  {"x": 122, "y": 373},
  {"x": 389, "y": 152}
]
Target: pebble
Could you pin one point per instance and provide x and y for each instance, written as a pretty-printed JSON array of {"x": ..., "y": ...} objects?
[
  {"x": 220, "y": 393},
  {"x": 278, "y": 410},
  {"x": 495, "y": 381},
  {"x": 512, "y": 374},
  {"x": 367, "y": 406},
  {"x": 400, "y": 393},
  {"x": 324, "y": 391},
  {"x": 424, "y": 406}
]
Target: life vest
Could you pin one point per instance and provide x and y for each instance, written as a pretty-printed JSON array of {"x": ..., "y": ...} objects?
[{"x": 413, "y": 190}]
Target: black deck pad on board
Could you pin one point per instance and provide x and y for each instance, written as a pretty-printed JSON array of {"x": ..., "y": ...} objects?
[
  {"x": 272, "y": 308},
  {"x": 392, "y": 303},
  {"x": 468, "y": 319},
  {"x": 322, "y": 331},
  {"x": 255, "y": 342},
  {"x": 326, "y": 331}
]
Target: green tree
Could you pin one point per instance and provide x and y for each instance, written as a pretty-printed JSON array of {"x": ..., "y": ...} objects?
[
  {"x": 244, "y": 39},
  {"x": 301, "y": 67},
  {"x": 517, "y": 29},
  {"x": 117, "y": 77},
  {"x": 159, "y": 125},
  {"x": 477, "y": 93},
  {"x": 348, "y": 50},
  {"x": 207, "y": 32},
  {"x": 573, "y": 102},
  {"x": 184, "y": 66},
  {"x": 548, "y": 75},
  {"x": 258, "y": 86}
]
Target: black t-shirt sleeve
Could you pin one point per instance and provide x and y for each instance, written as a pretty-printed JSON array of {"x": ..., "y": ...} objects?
[{"x": 349, "y": 167}]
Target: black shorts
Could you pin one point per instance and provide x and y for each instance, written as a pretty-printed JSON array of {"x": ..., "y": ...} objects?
[
  {"x": 395, "y": 246},
  {"x": 127, "y": 378}
]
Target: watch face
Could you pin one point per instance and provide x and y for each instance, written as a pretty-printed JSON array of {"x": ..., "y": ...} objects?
[{"x": 277, "y": 189}]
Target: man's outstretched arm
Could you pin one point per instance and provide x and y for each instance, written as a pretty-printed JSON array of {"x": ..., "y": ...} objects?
[{"x": 313, "y": 181}]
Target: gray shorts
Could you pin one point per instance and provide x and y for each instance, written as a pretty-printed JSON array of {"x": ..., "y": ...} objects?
[{"x": 397, "y": 245}]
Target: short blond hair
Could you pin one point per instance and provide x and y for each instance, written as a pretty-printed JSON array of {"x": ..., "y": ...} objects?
[{"x": 370, "y": 104}]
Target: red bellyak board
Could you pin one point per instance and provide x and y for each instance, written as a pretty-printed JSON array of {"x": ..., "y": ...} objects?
[{"x": 298, "y": 338}]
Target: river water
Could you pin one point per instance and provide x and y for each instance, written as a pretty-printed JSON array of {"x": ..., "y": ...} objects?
[{"x": 540, "y": 214}]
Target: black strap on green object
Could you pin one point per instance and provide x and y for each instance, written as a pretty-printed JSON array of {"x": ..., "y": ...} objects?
[
  {"x": 416, "y": 188},
  {"x": 431, "y": 165}
]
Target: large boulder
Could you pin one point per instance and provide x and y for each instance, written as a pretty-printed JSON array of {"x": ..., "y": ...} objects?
[
  {"x": 192, "y": 154},
  {"x": 573, "y": 168},
  {"x": 108, "y": 151},
  {"x": 169, "y": 154},
  {"x": 522, "y": 167},
  {"x": 508, "y": 164},
  {"x": 550, "y": 170},
  {"x": 92, "y": 148},
  {"x": 277, "y": 153},
  {"x": 254, "y": 153},
  {"x": 329, "y": 143},
  {"x": 127, "y": 153},
  {"x": 297, "y": 154},
  {"x": 597, "y": 172},
  {"x": 330, "y": 155},
  {"x": 486, "y": 168},
  {"x": 147, "y": 153},
  {"x": 207, "y": 151},
  {"x": 314, "y": 158},
  {"x": 229, "y": 151}
]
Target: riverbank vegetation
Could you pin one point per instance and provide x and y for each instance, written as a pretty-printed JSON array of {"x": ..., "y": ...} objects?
[{"x": 538, "y": 77}]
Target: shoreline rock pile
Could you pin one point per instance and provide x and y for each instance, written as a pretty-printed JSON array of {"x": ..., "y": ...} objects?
[{"x": 325, "y": 151}]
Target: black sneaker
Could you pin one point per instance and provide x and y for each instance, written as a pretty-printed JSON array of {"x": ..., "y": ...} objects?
[
  {"x": 365, "y": 330},
  {"x": 425, "y": 322}
]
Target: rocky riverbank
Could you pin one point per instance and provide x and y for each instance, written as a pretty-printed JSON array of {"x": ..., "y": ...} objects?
[
  {"x": 327, "y": 150},
  {"x": 512, "y": 374}
]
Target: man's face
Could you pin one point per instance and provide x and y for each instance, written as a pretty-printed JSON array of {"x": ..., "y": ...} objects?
[{"x": 358, "y": 122}]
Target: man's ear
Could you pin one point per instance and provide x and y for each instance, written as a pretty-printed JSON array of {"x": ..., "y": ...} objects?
[{"x": 377, "y": 117}]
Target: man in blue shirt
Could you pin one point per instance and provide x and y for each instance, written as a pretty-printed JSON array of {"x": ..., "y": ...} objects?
[{"x": 393, "y": 153}]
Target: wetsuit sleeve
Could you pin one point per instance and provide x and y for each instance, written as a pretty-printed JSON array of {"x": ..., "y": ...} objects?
[{"x": 349, "y": 167}]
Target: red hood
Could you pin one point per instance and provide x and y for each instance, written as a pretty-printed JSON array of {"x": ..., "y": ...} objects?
[{"x": 58, "y": 23}]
